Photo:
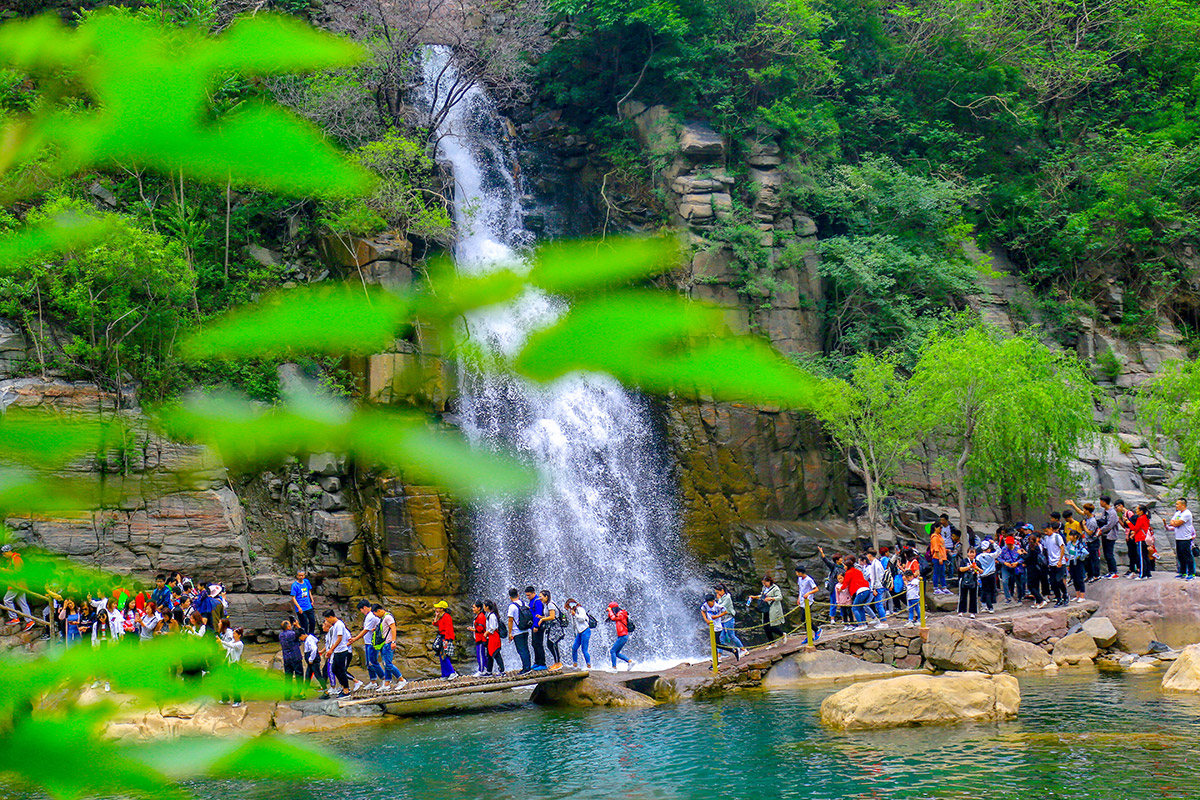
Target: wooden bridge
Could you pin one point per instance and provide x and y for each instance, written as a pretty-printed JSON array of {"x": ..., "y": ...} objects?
[{"x": 437, "y": 694}]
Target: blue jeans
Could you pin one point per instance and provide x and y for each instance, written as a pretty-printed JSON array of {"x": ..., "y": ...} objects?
[
  {"x": 729, "y": 636},
  {"x": 1008, "y": 579},
  {"x": 615, "y": 652},
  {"x": 388, "y": 669},
  {"x": 373, "y": 669},
  {"x": 914, "y": 611},
  {"x": 939, "y": 574},
  {"x": 582, "y": 640},
  {"x": 881, "y": 598},
  {"x": 521, "y": 642},
  {"x": 862, "y": 600}
]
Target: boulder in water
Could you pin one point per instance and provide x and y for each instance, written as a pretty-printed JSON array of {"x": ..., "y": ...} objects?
[
  {"x": 1075, "y": 648},
  {"x": 824, "y": 665},
  {"x": 1101, "y": 630},
  {"x": 589, "y": 693},
  {"x": 1144, "y": 611},
  {"x": 1184, "y": 674},
  {"x": 923, "y": 700},
  {"x": 1022, "y": 656},
  {"x": 965, "y": 644}
]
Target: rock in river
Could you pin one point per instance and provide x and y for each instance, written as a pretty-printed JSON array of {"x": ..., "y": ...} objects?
[
  {"x": 824, "y": 665},
  {"x": 965, "y": 644},
  {"x": 923, "y": 700},
  {"x": 1184, "y": 674}
]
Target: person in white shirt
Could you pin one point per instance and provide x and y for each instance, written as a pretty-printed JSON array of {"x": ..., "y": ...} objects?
[
  {"x": 806, "y": 588},
  {"x": 336, "y": 653},
  {"x": 1056, "y": 559},
  {"x": 371, "y": 656},
  {"x": 233, "y": 656},
  {"x": 583, "y": 632},
  {"x": 912, "y": 594},
  {"x": 712, "y": 612},
  {"x": 1185, "y": 531},
  {"x": 149, "y": 622},
  {"x": 383, "y": 641},
  {"x": 876, "y": 575},
  {"x": 311, "y": 653}
]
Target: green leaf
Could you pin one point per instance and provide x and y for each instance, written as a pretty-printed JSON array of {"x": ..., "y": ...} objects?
[
  {"x": 51, "y": 440},
  {"x": 662, "y": 343},
  {"x": 575, "y": 267},
  {"x": 45, "y": 240},
  {"x": 335, "y": 320}
]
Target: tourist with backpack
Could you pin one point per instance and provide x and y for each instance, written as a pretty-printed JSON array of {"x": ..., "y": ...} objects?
[
  {"x": 770, "y": 604},
  {"x": 444, "y": 643},
  {"x": 712, "y": 613},
  {"x": 537, "y": 636},
  {"x": 481, "y": 636},
  {"x": 583, "y": 623},
  {"x": 729, "y": 620},
  {"x": 336, "y": 654},
  {"x": 620, "y": 619},
  {"x": 496, "y": 631},
  {"x": 553, "y": 626},
  {"x": 383, "y": 640},
  {"x": 370, "y": 654},
  {"x": 520, "y": 622},
  {"x": 311, "y": 654}
]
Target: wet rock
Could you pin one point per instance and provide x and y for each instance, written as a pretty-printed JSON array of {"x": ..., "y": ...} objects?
[
  {"x": 965, "y": 644},
  {"x": 589, "y": 693},
  {"x": 1184, "y": 673},
  {"x": 923, "y": 700},
  {"x": 1101, "y": 630},
  {"x": 1021, "y": 656},
  {"x": 823, "y": 665}
]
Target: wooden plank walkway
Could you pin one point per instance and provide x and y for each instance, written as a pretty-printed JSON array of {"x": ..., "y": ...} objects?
[{"x": 436, "y": 687}]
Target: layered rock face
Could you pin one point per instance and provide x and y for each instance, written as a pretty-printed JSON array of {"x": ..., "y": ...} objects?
[{"x": 923, "y": 700}]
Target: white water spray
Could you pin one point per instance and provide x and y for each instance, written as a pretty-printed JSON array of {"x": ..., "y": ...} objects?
[{"x": 604, "y": 525}]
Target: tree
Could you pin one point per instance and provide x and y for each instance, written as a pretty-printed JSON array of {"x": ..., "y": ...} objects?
[
  {"x": 1166, "y": 409},
  {"x": 874, "y": 423},
  {"x": 1010, "y": 412}
]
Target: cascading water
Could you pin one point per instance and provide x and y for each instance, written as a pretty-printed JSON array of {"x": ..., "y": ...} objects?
[{"x": 604, "y": 525}]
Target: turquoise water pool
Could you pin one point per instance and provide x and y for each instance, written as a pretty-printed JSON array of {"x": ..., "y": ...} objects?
[{"x": 1078, "y": 736}]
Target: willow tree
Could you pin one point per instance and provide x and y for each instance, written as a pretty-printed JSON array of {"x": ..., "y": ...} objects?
[
  {"x": 1167, "y": 413},
  {"x": 872, "y": 420},
  {"x": 1005, "y": 413}
]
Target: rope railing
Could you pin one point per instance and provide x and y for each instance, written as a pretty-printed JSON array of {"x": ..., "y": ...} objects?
[{"x": 807, "y": 626}]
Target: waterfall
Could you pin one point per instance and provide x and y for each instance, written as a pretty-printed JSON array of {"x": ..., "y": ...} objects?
[{"x": 604, "y": 526}]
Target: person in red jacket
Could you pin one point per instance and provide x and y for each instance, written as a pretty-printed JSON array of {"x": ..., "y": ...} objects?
[
  {"x": 620, "y": 618},
  {"x": 445, "y": 641},
  {"x": 859, "y": 590},
  {"x": 480, "y": 640}
]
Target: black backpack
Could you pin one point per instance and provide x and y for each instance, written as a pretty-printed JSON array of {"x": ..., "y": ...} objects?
[
  {"x": 501, "y": 627},
  {"x": 629, "y": 626},
  {"x": 524, "y": 617}
]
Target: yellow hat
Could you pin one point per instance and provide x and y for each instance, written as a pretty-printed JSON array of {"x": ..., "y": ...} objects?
[{"x": 441, "y": 604}]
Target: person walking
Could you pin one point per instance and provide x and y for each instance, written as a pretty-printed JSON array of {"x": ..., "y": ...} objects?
[
  {"x": 771, "y": 603},
  {"x": 336, "y": 654},
  {"x": 480, "y": 630},
  {"x": 968, "y": 584},
  {"x": 912, "y": 595},
  {"x": 1182, "y": 526},
  {"x": 495, "y": 659},
  {"x": 520, "y": 621},
  {"x": 712, "y": 612},
  {"x": 11, "y": 565},
  {"x": 876, "y": 574},
  {"x": 293, "y": 659},
  {"x": 620, "y": 620},
  {"x": 370, "y": 623},
  {"x": 1109, "y": 531},
  {"x": 728, "y": 619},
  {"x": 583, "y": 624},
  {"x": 384, "y": 640},
  {"x": 860, "y": 593},
  {"x": 311, "y": 653},
  {"x": 444, "y": 643},
  {"x": 537, "y": 636},
  {"x": 552, "y": 624},
  {"x": 302, "y": 602},
  {"x": 806, "y": 587},
  {"x": 1141, "y": 537}
]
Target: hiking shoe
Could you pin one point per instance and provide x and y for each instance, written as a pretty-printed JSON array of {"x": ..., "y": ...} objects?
[
  {"x": 369, "y": 687},
  {"x": 385, "y": 687},
  {"x": 28, "y": 626},
  {"x": 400, "y": 684},
  {"x": 357, "y": 685},
  {"x": 15, "y": 621}
]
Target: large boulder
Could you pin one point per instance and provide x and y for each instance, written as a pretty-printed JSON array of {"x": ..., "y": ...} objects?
[
  {"x": 1143, "y": 611},
  {"x": 1101, "y": 630},
  {"x": 923, "y": 700},
  {"x": 588, "y": 693},
  {"x": 965, "y": 644},
  {"x": 698, "y": 140},
  {"x": 1042, "y": 625},
  {"x": 1184, "y": 674},
  {"x": 1020, "y": 656},
  {"x": 824, "y": 665},
  {"x": 1075, "y": 648}
]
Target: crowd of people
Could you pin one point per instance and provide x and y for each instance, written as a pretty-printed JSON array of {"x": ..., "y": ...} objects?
[{"x": 1024, "y": 562}]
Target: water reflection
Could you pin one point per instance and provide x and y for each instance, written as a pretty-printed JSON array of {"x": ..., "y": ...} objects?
[{"x": 1078, "y": 735}]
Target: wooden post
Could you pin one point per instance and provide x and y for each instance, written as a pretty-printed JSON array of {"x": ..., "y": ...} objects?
[{"x": 808, "y": 626}]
